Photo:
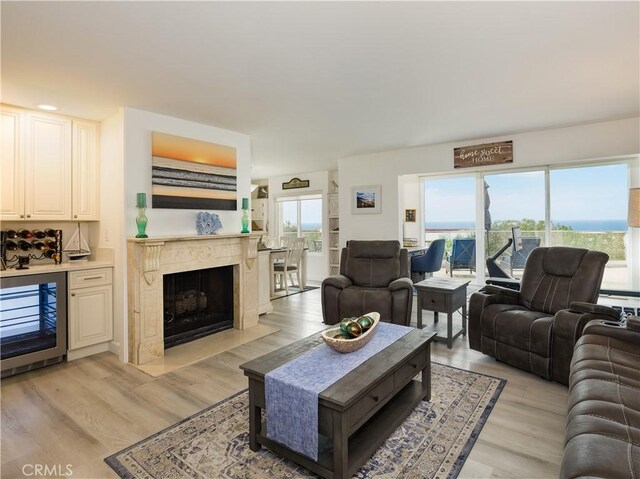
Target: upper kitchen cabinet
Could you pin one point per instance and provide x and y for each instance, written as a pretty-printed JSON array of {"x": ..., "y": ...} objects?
[
  {"x": 48, "y": 172},
  {"x": 85, "y": 192},
  {"x": 11, "y": 164},
  {"x": 49, "y": 167}
]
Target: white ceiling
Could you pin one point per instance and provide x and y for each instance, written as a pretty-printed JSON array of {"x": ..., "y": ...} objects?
[{"x": 313, "y": 82}]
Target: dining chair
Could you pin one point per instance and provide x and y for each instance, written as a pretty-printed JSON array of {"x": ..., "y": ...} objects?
[{"x": 290, "y": 266}]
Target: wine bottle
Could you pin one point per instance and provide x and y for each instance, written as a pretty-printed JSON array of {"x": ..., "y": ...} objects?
[
  {"x": 50, "y": 232},
  {"x": 11, "y": 234},
  {"x": 11, "y": 245},
  {"x": 38, "y": 234},
  {"x": 24, "y": 245},
  {"x": 39, "y": 245},
  {"x": 50, "y": 244},
  {"x": 26, "y": 234},
  {"x": 50, "y": 253}
]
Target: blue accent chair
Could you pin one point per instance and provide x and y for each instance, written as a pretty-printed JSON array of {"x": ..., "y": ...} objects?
[
  {"x": 430, "y": 261},
  {"x": 463, "y": 255}
]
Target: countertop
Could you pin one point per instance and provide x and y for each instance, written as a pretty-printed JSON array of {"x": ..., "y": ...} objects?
[{"x": 102, "y": 258}]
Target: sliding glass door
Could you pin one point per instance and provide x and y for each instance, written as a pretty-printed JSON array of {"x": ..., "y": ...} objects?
[
  {"x": 302, "y": 217},
  {"x": 578, "y": 206},
  {"x": 514, "y": 200},
  {"x": 450, "y": 212},
  {"x": 589, "y": 210}
]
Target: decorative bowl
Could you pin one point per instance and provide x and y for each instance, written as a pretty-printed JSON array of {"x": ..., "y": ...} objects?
[{"x": 350, "y": 345}]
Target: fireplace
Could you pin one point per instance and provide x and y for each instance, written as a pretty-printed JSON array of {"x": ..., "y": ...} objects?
[
  {"x": 150, "y": 259},
  {"x": 197, "y": 303}
]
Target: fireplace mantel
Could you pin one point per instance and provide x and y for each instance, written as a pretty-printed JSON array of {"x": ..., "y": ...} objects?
[{"x": 151, "y": 258}]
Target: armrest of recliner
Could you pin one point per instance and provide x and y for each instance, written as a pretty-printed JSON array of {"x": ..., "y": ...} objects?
[
  {"x": 595, "y": 309},
  {"x": 495, "y": 289},
  {"x": 337, "y": 281},
  {"x": 400, "y": 283},
  {"x": 568, "y": 326},
  {"x": 615, "y": 331}
]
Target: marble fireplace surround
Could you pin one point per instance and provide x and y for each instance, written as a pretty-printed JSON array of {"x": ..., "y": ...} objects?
[{"x": 151, "y": 258}]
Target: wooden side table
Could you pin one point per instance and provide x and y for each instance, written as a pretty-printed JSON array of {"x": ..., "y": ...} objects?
[{"x": 442, "y": 295}]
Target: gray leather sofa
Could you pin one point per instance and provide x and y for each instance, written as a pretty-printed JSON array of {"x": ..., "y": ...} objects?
[
  {"x": 374, "y": 276},
  {"x": 603, "y": 421}
]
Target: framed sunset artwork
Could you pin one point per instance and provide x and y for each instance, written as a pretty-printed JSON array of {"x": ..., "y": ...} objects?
[{"x": 192, "y": 174}]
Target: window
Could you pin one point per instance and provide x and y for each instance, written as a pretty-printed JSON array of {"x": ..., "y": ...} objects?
[
  {"x": 302, "y": 217},
  {"x": 583, "y": 206},
  {"x": 589, "y": 210},
  {"x": 514, "y": 200},
  {"x": 450, "y": 211}
]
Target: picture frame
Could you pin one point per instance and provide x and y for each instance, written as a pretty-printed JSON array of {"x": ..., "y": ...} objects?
[
  {"x": 263, "y": 191},
  {"x": 366, "y": 199},
  {"x": 410, "y": 216}
]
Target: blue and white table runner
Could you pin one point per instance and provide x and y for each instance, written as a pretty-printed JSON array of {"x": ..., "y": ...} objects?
[{"x": 291, "y": 391}]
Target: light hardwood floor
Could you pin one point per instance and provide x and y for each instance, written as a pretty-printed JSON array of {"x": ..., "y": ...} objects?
[{"x": 78, "y": 413}]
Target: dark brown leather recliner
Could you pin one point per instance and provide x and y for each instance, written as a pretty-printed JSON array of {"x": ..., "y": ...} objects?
[
  {"x": 374, "y": 276},
  {"x": 536, "y": 328}
]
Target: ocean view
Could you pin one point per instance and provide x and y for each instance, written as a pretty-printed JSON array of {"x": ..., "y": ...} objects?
[{"x": 576, "y": 225}]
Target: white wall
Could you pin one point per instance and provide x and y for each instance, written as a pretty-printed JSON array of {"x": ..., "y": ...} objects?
[
  {"x": 555, "y": 146},
  {"x": 138, "y": 126},
  {"x": 318, "y": 265},
  {"x": 409, "y": 188},
  {"x": 111, "y": 226},
  {"x": 126, "y": 170}
]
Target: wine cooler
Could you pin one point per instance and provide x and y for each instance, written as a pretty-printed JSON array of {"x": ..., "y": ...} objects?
[{"x": 33, "y": 321}]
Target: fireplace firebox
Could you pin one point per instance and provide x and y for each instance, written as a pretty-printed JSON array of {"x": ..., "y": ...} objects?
[{"x": 197, "y": 303}]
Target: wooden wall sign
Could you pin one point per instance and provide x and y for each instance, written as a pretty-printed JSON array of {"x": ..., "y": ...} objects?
[
  {"x": 481, "y": 155},
  {"x": 295, "y": 183}
]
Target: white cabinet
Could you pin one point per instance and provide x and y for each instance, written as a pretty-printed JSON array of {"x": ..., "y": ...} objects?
[
  {"x": 48, "y": 171},
  {"x": 90, "y": 311},
  {"x": 85, "y": 179},
  {"x": 49, "y": 167},
  {"x": 12, "y": 166}
]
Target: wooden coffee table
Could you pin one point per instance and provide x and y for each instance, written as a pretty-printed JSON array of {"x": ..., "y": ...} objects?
[{"x": 358, "y": 412}]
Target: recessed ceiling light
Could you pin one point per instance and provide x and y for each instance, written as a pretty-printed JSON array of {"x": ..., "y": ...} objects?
[{"x": 48, "y": 107}]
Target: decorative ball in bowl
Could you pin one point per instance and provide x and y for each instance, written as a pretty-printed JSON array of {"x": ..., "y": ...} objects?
[{"x": 352, "y": 333}]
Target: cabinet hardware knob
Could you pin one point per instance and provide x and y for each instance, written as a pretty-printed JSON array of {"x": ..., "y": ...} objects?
[
  {"x": 21, "y": 216},
  {"x": 414, "y": 365},
  {"x": 375, "y": 398},
  {"x": 28, "y": 216},
  {"x": 75, "y": 216},
  {"x": 92, "y": 277},
  {"x": 73, "y": 294}
]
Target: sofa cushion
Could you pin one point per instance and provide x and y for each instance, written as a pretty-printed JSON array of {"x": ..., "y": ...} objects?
[
  {"x": 373, "y": 264},
  {"x": 518, "y": 327},
  {"x": 356, "y": 301},
  {"x": 554, "y": 277}
]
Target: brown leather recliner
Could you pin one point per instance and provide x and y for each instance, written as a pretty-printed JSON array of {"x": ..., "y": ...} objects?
[
  {"x": 536, "y": 328},
  {"x": 374, "y": 276}
]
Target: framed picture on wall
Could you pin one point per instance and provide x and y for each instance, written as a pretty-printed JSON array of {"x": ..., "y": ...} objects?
[
  {"x": 366, "y": 199},
  {"x": 410, "y": 216},
  {"x": 263, "y": 191}
]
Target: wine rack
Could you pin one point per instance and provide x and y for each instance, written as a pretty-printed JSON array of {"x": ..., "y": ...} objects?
[{"x": 22, "y": 246}]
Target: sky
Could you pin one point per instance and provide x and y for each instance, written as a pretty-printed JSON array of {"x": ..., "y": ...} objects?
[{"x": 588, "y": 193}]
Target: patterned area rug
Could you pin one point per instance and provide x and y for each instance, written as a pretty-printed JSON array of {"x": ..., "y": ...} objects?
[{"x": 434, "y": 441}]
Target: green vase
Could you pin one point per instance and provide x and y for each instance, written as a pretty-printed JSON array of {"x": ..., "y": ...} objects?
[
  {"x": 141, "y": 222},
  {"x": 245, "y": 221}
]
